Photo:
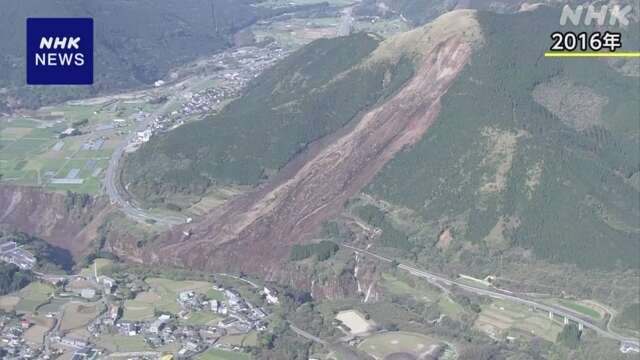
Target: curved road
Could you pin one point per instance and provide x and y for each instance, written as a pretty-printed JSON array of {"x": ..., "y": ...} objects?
[
  {"x": 112, "y": 180},
  {"x": 504, "y": 295}
]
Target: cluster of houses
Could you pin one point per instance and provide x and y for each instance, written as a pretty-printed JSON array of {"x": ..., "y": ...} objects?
[
  {"x": 11, "y": 253},
  {"x": 12, "y": 342},
  {"x": 234, "y": 70}
]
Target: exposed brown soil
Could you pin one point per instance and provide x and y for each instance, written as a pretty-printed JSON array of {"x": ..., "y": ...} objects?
[
  {"x": 45, "y": 215},
  {"x": 253, "y": 232}
]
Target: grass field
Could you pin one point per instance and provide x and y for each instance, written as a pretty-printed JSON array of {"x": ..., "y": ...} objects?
[
  {"x": 141, "y": 308},
  {"x": 249, "y": 339},
  {"x": 120, "y": 343},
  {"x": 216, "y": 354},
  {"x": 33, "y": 295},
  {"x": 450, "y": 307},
  {"x": 581, "y": 308},
  {"x": 399, "y": 287},
  {"x": 381, "y": 345},
  {"x": 201, "y": 318}
]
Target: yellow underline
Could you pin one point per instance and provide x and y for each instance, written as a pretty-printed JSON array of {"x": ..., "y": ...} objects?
[{"x": 592, "y": 54}]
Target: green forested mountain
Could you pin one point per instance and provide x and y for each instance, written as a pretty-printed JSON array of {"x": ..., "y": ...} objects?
[
  {"x": 128, "y": 52},
  {"x": 312, "y": 93},
  {"x": 504, "y": 170}
]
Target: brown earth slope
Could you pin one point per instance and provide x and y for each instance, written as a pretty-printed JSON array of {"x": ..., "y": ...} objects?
[
  {"x": 254, "y": 232},
  {"x": 71, "y": 225}
]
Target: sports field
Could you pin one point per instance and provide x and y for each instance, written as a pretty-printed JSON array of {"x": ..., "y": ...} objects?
[
  {"x": 355, "y": 321},
  {"x": 412, "y": 344}
]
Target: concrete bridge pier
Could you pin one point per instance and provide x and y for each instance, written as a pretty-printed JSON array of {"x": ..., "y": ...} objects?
[
  {"x": 550, "y": 315},
  {"x": 566, "y": 320}
]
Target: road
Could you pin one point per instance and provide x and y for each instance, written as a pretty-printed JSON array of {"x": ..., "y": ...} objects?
[
  {"x": 502, "y": 295},
  {"x": 306, "y": 335},
  {"x": 112, "y": 178}
]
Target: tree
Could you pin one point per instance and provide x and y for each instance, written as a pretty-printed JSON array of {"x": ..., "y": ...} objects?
[{"x": 570, "y": 336}]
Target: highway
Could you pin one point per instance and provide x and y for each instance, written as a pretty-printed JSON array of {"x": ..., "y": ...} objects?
[
  {"x": 112, "y": 181},
  {"x": 503, "y": 295}
]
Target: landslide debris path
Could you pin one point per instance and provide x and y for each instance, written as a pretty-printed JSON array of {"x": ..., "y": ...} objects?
[{"x": 314, "y": 187}]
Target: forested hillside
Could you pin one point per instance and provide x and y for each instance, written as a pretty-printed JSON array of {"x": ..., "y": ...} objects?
[
  {"x": 310, "y": 94},
  {"x": 506, "y": 167},
  {"x": 49, "y": 258}
]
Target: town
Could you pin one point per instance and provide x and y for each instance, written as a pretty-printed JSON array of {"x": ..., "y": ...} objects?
[{"x": 78, "y": 315}]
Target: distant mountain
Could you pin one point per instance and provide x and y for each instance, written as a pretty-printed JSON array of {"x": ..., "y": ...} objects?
[
  {"x": 419, "y": 12},
  {"x": 136, "y": 42}
]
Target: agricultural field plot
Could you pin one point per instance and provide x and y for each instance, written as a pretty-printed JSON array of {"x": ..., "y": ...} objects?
[
  {"x": 418, "y": 291},
  {"x": 35, "y": 334},
  {"x": 32, "y": 151},
  {"x": 163, "y": 297},
  {"x": 217, "y": 354},
  {"x": 248, "y": 339},
  {"x": 141, "y": 308},
  {"x": 382, "y": 27},
  {"x": 200, "y": 318},
  {"x": 293, "y": 33},
  {"x": 411, "y": 345},
  {"x": 8, "y": 302},
  {"x": 120, "y": 343},
  {"x": 100, "y": 265},
  {"x": 501, "y": 318},
  {"x": 53, "y": 306},
  {"x": 78, "y": 315},
  {"x": 355, "y": 321},
  {"x": 32, "y": 296}
]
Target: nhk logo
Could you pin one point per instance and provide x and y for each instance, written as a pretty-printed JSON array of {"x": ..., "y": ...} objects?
[
  {"x": 617, "y": 15},
  {"x": 59, "y": 51}
]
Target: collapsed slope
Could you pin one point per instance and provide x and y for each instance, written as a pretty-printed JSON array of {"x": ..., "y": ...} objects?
[
  {"x": 313, "y": 187},
  {"x": 68, "y": 221}
]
